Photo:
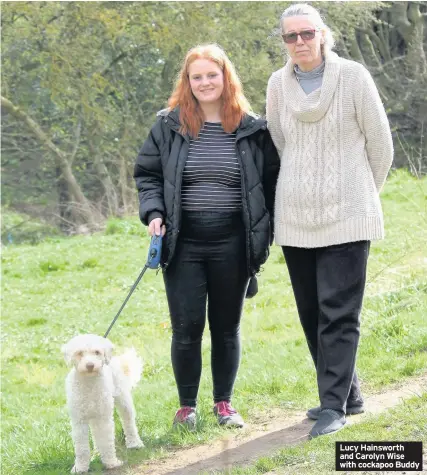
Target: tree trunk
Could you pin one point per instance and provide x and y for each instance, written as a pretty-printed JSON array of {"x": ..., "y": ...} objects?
[
  {"x": 407, "y": 18},
  {"x": 64, "y": 200},
  {"x": 105, "y": 178},
  {"x": 393, "y": 46},
  {"x": 81, "y": 209}
]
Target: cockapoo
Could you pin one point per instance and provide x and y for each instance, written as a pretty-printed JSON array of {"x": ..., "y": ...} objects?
[{"x": 96, "y": 382}]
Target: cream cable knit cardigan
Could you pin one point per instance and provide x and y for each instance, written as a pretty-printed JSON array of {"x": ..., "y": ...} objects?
[{"x": 336, "y": 149}]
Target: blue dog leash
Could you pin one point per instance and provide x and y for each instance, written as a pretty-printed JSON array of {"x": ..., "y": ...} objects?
[{"x": 153, "y": 262}]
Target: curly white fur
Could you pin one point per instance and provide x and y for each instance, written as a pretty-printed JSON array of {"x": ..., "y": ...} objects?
[{"x": 97, "y": 382}]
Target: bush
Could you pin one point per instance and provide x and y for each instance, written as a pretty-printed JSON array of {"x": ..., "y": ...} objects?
[
  {"x": 125, "y": 226},
  {"x": 19, "y": 228}
]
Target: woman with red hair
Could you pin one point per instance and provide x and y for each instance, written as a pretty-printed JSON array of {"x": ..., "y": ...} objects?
[{"x": 206, "y": 178}]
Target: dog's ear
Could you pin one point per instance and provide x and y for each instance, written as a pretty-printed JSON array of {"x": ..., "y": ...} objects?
[
  {"x": 67, "y": 354},
  {"x": 108, "y": 350}
]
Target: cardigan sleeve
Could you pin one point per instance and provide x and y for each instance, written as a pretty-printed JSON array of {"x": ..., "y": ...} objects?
[
  {"x": 374, "y": 124},
  {"x": 273, "y": 114}
]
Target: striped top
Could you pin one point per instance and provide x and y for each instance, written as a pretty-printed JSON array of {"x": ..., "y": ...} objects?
[{"x": 211, "y": 178}]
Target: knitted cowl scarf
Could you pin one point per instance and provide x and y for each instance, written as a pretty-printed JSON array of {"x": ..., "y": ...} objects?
[{"x": 312, "y": 107}]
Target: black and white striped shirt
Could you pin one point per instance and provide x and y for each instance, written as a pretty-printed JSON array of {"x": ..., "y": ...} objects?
[{"x": 211, "y": 178}]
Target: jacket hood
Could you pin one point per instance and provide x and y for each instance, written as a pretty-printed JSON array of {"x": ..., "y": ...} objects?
[{"x": 248, "y": 125}]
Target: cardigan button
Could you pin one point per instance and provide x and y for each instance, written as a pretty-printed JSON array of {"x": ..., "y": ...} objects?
[{"x": 243, "y": 152}]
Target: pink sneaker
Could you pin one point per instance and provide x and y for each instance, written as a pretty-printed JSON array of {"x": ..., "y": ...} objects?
[
  {"x": 226, "y": 415},
  {"x": 185, "y": 415}
]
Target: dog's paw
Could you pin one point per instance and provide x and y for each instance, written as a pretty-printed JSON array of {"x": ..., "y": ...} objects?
[
  {"x": 113, "y": 464},
  {"x": 135, "y": 443},
  {"x": 79, "y": 469}
]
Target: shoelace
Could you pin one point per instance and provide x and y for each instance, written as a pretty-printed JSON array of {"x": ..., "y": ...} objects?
[
  {"x": 224, "y": 409},
  {"x": 182, "y": 413}
]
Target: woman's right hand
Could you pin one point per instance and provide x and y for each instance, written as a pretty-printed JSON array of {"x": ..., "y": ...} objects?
[{"x": 156, "y": 228}]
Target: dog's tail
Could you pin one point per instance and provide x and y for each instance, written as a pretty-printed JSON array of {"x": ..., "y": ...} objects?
[{"x": 131, "y": 365}]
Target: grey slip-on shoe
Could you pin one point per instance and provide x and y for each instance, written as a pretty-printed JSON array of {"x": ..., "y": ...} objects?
[
  {"x": 314, "y": 412},
  {"x": 329, "y": 421}
]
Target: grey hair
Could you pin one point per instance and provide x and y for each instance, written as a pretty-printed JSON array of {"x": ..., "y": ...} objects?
[{"x": 300, "y": 9}]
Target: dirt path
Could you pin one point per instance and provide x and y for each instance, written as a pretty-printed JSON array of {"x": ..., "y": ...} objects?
[{"x": 264, "y": 437}]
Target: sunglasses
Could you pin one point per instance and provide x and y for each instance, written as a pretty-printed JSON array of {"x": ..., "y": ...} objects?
[{"x": 306, "y": 35}]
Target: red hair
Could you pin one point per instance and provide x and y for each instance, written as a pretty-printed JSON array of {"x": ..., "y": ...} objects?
[{"x": 234, "y": 103}]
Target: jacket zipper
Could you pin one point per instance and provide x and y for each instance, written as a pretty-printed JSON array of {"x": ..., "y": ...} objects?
[
  {"x": 245, "y": 192},
  {"x": 166, "y": 265},
  {"x": 245, "y": 209}
]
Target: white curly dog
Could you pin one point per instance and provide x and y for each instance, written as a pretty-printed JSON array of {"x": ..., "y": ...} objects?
[{"x": 94, "y": 384}]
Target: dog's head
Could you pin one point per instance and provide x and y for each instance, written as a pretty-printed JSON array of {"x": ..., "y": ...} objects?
[{"x": 88, "y": 353}]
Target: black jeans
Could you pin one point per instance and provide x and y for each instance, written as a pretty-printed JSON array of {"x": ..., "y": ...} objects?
[
  {"x": 209, "y": 265},
  {"x": 328, "y": 285}
]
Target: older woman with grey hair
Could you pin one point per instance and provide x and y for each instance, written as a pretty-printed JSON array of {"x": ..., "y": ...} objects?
[{"x": 330, "y": 128}]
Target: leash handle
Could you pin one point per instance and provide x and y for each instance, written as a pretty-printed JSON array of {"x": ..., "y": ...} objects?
[{"x": 154, "y": 252}]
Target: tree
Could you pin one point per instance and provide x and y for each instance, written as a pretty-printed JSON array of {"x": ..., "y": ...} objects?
[
  {"x": 392, "y": 45},
  {"x": 82, "y": 212}
]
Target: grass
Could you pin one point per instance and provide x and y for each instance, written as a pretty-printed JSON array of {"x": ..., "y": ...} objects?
[
  {"x": 18, "y": 228},
  {"x": 405, "y": 422},
  {"x": 61, "y": 287}
]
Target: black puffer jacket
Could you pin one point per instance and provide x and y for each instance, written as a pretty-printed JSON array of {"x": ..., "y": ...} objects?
[{"x": 158, "y": 176}]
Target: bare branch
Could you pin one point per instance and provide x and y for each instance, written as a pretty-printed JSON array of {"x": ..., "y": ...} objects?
[
  {"x": 34, "y": 127},
  {"x": 59, "y": 155}
]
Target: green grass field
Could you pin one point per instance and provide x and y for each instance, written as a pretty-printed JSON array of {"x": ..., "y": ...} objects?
[{"x": 61, "y": 287}]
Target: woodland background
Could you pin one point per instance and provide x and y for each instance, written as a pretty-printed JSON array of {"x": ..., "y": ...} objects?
[{"x": 82, "y": 82}]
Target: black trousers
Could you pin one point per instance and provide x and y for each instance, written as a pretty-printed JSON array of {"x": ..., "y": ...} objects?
[
  {"x": 209, "y": 267},
  {"x": 328, "y": 285}
]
